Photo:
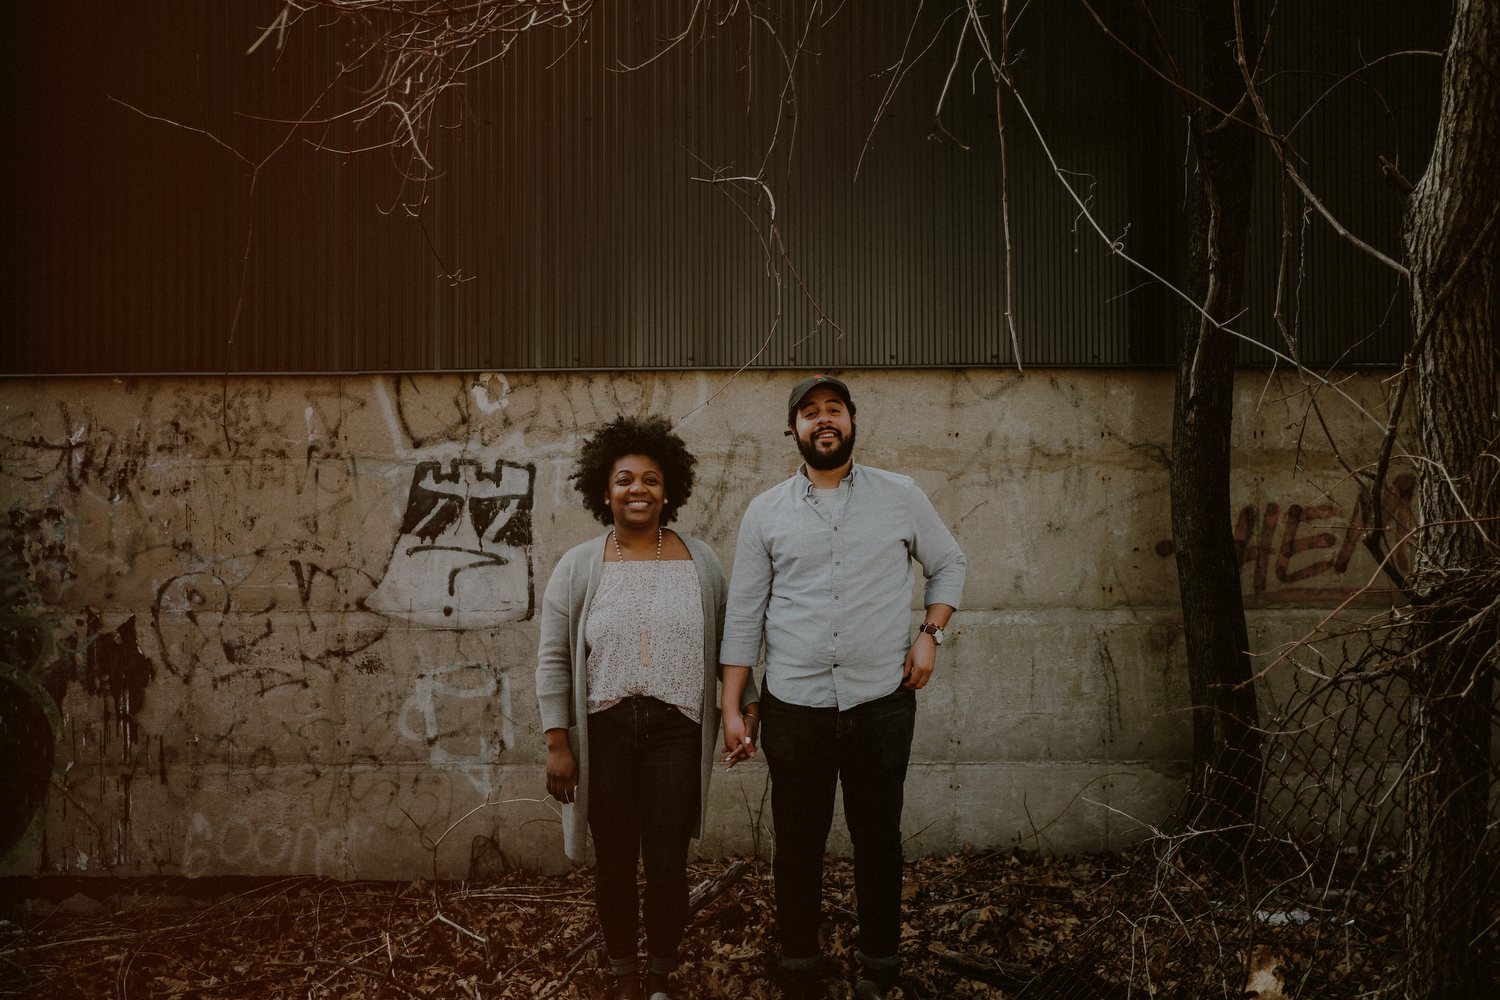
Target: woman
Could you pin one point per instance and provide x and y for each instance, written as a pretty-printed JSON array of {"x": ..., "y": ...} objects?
[{"x": 627, "y": 681}]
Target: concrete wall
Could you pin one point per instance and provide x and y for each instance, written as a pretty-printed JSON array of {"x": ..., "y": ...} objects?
[{"x": 247, "y": 657}]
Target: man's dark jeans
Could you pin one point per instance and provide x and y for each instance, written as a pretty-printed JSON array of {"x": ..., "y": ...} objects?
[
  {"x": 810, "y": 751},
  {"x": 644, "y": 780}
]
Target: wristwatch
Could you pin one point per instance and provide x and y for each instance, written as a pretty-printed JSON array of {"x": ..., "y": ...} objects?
[{"x": 932, "y": 630}]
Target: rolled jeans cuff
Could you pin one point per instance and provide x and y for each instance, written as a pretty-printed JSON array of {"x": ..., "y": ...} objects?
[
  {"x": 885, "y": 964},
  {"x": 622, "y": 966},
  {"x": 661, "y": 966}
]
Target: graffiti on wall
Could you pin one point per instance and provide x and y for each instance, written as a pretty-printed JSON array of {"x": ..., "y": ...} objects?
[
  {"x": 1299, "y": 543},
  {"x": 241, "y": 843},
  {"x": 269, "y": 559},
  {"x": 1310, "y": 535},
  {"x": 445, "y": 714},
  {"x": 462, "y": 558}
]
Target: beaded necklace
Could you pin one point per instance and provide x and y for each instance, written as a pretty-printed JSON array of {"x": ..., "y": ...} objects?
[{"x": 645, "y": 637}]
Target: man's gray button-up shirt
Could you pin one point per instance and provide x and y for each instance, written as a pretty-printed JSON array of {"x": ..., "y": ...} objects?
[{"x": 798, "y": 559}]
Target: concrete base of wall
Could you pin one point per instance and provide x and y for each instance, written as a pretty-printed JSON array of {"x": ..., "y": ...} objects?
[{"x": 250, "y": 665}]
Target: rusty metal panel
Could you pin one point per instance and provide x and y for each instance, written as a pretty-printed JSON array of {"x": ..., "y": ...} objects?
[{"x": 570, "y": 226}]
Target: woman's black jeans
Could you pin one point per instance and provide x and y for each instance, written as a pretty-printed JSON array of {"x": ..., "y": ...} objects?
[
  {"x": 644, "y": 780},
  {"x": 810, "y": 751}
]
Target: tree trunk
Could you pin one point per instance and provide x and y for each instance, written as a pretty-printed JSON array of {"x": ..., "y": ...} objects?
[
  {"x": 1226, "y": 756},
  {"x": 1450, "y": 235}
]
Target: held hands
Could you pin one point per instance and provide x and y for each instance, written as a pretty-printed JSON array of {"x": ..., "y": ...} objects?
[
  {"x": 740, "y": 731},
  {"x": 562, "y": 768},
  {"x": 920, "y": 659}
]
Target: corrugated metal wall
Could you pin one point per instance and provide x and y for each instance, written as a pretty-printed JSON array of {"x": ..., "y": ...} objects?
[
  {"x": 568, "y": 203},
  {"x": 1341, "y": 305}
]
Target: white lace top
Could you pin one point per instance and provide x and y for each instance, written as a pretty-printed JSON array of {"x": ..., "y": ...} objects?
[{"x": 668, "y": 593}]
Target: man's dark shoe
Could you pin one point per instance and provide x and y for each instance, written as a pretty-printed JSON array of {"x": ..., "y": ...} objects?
[
  {"x": 876, "y": 984},
  {"x": 801, "y": 984}
]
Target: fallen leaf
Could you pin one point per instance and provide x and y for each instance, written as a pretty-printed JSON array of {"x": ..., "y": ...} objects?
[{"x": 1265, "y": 982}]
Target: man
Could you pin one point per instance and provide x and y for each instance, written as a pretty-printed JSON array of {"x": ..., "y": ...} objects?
[{"x": 823, "y": 572}]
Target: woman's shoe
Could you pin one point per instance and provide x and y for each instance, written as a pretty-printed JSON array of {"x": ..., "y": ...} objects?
[{"x": 623, "y": 988}]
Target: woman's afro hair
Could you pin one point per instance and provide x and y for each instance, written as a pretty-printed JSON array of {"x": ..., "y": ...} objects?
[{"x": 649, "y": 436}]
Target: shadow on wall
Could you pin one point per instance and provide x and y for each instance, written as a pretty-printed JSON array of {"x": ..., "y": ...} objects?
[{"x": 27, "y": 745}]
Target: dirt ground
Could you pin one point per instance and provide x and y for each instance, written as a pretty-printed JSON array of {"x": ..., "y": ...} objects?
[{"x": 995, "y": 924}]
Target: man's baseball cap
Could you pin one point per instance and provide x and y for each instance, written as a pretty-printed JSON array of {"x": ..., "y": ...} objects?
[{"x": 807, "y": 385}]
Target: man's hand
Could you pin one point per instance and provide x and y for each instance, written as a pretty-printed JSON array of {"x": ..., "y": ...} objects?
[
  {"x": 922, "y": 655},
  {"x": 562, "y": 767},
  {"x": 740, "y": 729},
  {"x": 920, "y": 659}
]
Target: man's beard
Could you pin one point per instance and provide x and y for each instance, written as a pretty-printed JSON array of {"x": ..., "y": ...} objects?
[{"x": 825, "y": 461}]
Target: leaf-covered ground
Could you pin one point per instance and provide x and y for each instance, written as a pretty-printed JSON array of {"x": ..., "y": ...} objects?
[{"x": 1101, "y": 925}]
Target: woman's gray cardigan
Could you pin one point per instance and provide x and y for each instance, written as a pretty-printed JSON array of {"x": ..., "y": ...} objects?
[{"x": 562, "y": 666}]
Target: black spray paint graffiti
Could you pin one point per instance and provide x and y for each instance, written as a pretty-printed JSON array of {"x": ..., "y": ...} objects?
[
  {"x": 463, "y": 556},
  {"x": 105, "y": 664},
  {"x": 201, "y": 622},
  {"x": 110, "y": 665}
]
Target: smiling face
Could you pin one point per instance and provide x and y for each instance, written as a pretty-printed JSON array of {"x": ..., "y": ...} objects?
[
  {"x": 637, "y": 490},
  {"x": 824, "y": 429}
]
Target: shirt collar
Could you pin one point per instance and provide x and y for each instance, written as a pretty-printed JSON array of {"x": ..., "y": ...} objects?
[{"x": 805, "y": 486}]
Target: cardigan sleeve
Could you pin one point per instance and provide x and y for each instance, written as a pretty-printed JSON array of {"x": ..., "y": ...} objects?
[{"x": 554, "y": 656}]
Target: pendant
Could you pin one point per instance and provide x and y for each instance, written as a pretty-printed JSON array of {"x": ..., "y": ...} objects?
[{"x": 645, "y": 649}]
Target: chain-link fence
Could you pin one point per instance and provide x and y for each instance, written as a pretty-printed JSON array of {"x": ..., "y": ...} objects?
[{"x": 1372, "y": 860}]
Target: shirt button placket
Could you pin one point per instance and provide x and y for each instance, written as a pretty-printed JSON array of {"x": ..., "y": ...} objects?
[{"x": 838, "y": 587}]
